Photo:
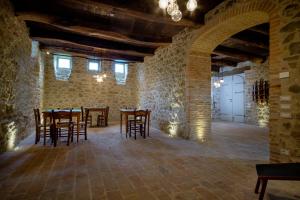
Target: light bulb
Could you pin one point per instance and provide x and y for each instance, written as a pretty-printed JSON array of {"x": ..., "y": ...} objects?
[
  {"x": 191, "y": 5},
  {"x": 172, "y": 7},
  {"x": 104, "y": 75},
  {"x": 163, "y": 4},
  {"x": 176, "y": 15},
  {"x": 47, "y": 52},
  {"x": 222, "y": 80}
]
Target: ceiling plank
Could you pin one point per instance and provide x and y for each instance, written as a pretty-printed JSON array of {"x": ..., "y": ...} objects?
[
  {"x": 64, "y": 43},
  {"x": 99, "y": 54},
  {"x": 100, "y": 8},
  {"x": 37, "y": 31},
  {"x": 223, "y": 63},
  {"x": 244, "y": 42},
  {"x": 97, "y": 31},
  {"x": 236, "y": 54}
]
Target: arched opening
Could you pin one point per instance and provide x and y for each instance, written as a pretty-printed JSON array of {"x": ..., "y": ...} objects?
[{"x": 198, "y": 72}]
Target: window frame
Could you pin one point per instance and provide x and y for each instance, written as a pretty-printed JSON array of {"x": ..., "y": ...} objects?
[
  {"x": 58, "y": 57},
  {"x": 124, "y": 73},
  {"x": 94, "y": 61}
]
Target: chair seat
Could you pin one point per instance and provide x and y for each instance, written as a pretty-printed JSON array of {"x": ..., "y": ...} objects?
[
  {"x": 64, "y": 124},
  {"x": 139, "y": 122}
]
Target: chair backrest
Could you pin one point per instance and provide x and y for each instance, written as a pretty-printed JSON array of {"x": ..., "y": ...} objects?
[
  {"x": 57, "y": 116},
  {"x": 37, "y": 117},
  {"x": 82, "y": 113},
  {"x": 141, "y": 115}
]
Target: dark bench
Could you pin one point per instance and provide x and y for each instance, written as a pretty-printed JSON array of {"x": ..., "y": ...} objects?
[{"x": 281, "y": 171}]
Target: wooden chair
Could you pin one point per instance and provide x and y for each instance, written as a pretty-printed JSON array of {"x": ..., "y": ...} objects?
[
  {"x": 83, "y": 125},
  {"x": 138, "y": 123},
  {"x": 62, "y": 125},
  {"x": 103, "y": 117},
  {"x": 89, "y": 118},
  {"x": 39, "y": 127}
]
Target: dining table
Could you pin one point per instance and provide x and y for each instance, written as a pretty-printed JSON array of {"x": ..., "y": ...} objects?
[
  {"x": 127, "y": 112},
  {"x": 103, "y": 110},
  {"x": 75, "y": 113}
]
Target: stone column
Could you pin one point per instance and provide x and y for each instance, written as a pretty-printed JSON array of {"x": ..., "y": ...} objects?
[{"x": 198, "y": 96}]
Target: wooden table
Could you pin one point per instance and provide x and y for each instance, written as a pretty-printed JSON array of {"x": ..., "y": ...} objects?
[
  {"x": 128, "y": 112},
  {"x": 102, "y": 110},
  {"x": 75, "y": 113}
]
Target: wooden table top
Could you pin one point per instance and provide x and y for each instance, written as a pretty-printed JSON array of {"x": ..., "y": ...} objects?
[{"x": 57, "y": 110}]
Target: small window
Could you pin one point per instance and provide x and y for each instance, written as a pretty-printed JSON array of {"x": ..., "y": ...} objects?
[
  {"x": 62, "y": 66},
  {"x": 64, "y": 62},
  {"x": 94, "y": 65},
  {"x": 121, "y": 70}
]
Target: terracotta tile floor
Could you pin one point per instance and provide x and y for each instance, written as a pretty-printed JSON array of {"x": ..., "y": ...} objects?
[{"x": 108, "y": 166}]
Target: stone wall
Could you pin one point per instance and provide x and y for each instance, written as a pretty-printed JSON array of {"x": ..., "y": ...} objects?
[
  {"x": 256, "y": 113},
  {"x": 21, "y": 87},
  {"x": 161, "y": 81},
  {"x": 82, "y": 89}
]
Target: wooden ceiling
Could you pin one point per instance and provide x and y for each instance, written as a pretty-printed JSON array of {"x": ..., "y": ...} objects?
[
  {"x": 251, "y": 44},
  {"x": 123, "y": 29},
  {"x": 126, "y": 29}
]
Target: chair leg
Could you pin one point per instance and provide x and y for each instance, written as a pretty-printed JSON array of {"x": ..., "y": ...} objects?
[
  {"x": 69, "y": 134},
  {"x": 55, "y": 136},
  {"x": 257, "y": 186},
  {"x": 36, "y": 136},
  {"x": 134, "y": 132},
  {"x": 263, "y": 189}
]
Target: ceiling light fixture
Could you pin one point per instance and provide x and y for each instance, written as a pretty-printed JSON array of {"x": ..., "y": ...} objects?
[{"x": 173, "y": 8}]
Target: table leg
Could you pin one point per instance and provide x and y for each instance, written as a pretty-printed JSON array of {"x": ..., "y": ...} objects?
[
  {"x": 126, "y": 123},
  {"x": 263, "y": 189},
  {"x": 78, "y": 121},
  {"x": 121, "y": 123},
  {"x": 257, "y": 186},
  {"x": 44, "y": 116},
  {"x": 148, "y": 124}
]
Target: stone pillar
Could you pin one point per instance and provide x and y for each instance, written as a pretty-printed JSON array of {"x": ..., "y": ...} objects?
[
  {"x": 285, "y": 132},
  {"x": 198, "y": 97}
]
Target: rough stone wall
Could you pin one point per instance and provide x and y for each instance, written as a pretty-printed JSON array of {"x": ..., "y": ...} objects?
[
  {"x": 161, "y": 81},
  {"x": 82, "y": 89},
  {"x": 285, "y": 141},
  {"x": 256, "y": 113},
  {"x": 21, "y": 86}
]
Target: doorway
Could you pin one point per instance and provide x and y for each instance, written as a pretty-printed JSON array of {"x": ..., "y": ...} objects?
[{"x": 232, "y": 106}]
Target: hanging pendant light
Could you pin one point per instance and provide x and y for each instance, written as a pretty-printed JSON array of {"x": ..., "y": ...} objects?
[
  {"x": 172, "y": 7},
  {"x": 176, "y": 15},
  {"x": 191, "y": 5},
  {"x": 163, "y": 4}
]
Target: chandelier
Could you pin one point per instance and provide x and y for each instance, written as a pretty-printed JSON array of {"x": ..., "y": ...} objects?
[{"x": 173, "y": 9}]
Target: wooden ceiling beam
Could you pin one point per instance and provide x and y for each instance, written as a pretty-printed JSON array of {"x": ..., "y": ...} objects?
[
  {"x": 245, "y": 42},
  {"x": 92, "y": 54},
  {"x": 37, "y": 31},
  {"x": 236, "y": 54},
  {"x": 223, "y": 63},
  {"x": 98, "y": 8},
  {"x": 94, "y": 30},
  {"x": 64, "y": 43}
]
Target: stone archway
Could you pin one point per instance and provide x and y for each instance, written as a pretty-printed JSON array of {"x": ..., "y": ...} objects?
[{"x": 231, "y": 18}]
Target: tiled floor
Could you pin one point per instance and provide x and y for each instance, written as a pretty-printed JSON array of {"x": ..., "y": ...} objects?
[{"x": 108, "y": 166}]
